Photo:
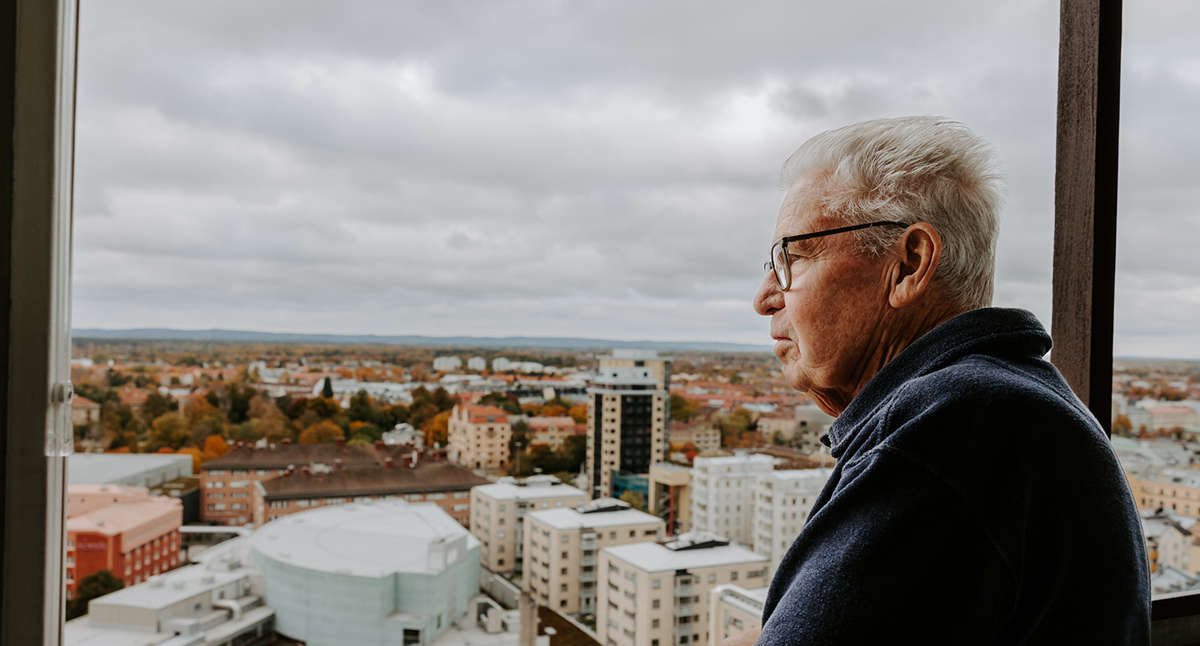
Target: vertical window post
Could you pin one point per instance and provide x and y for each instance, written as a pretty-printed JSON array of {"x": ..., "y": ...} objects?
[{"x": 1085, "y": 198}]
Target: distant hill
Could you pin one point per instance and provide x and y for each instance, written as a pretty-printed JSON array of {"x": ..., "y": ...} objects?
[{"x": 167, "y": 334}]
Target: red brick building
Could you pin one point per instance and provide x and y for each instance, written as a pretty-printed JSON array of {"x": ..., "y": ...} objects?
[
  {"x": 227, "y": 482},
  {"x": 133, "y": 538},
  {"x": 446, "y": 484}
]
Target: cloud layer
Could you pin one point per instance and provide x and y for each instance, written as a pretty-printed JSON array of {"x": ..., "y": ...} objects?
[{"x": 568, "y": 169}]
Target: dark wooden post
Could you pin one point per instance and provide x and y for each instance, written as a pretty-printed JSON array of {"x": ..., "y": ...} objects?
[{"x": 1085, "y": 198}]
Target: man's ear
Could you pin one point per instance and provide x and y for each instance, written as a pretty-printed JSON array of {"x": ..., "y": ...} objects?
[{"x": 920, "y": 251}]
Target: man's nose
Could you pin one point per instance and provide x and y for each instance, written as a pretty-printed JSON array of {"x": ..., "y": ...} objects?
[{"x": 768, "y": 299}]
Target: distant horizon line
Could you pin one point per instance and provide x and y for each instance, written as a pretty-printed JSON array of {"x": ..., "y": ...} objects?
[{"x": 243, "y": 336}]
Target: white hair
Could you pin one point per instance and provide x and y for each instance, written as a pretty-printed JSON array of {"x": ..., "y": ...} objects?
[{"x": 908, "y": 170}]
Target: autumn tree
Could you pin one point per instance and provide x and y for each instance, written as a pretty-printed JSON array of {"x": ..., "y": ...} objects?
[
  {"x": 216, "y": 446},
  {"x": 437, "y": 429},
  {"x": 682, "y": 408},
  {"x": 169, "y": 430},
  {"x": 322, "y": 432},
  {"x": 579, "y": 413}
]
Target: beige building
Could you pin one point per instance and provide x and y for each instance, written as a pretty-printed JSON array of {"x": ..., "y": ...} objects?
[
  {"x": 658, "y": 594},
  {"x": 723, "y": 494},
  {"x": 782, "y": 502},
  {"x": 1176, "y": 490},
  {"x": 704, "y": 438},
  {"x": 660, "y": 367},
  {"x": 627, "y": 421},
  {"x": 561, "y": 547},
  {"x": 478, "y": 437},
  {"x": 551, "y": 431},
  {"x": 498, "y": 516},
  {"x": 733, "y": 610},
  {"x": 671, "y": 496}
]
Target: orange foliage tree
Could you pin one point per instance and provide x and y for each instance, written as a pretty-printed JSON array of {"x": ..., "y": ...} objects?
[
  {"x": 216, "y": 445},
  {"x": 321, "y": 432},
  {"x": 196, "y": 460},
  {"x": 437, "y": 429}
]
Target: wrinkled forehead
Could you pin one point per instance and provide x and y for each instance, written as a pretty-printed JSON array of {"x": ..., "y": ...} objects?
[{"x": 802, "y": 210}]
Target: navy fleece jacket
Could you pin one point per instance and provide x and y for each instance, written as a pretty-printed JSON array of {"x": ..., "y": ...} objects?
[{"x": 975, "y": 501}]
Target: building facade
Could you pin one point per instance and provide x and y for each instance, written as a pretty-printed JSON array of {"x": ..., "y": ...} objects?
[
  {"x": 723, "y": 494},
  {"x": 498, "y": 514},
  {"x": 551, "y": 431},
  {"x": 134, "y": 539},
  {"x": 733, "y": 610},
  {"x": 478, "y": 437},
  {"x": 658, "y": 594},
  {"x": 782, "y": 502},
  {"x": 703, "y": 437},
  {"x": 627, "y": 421},
  {"x": 441, "y": 483},
  {"x": 671, "y": 496},
  {"x": 624, "y": 358},
  {"x": 561, "y": 550}
]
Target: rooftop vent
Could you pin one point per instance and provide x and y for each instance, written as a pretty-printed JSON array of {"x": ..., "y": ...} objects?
[
  {"x": 696, "y": 541},
  {"x": 602, "y": 505}
]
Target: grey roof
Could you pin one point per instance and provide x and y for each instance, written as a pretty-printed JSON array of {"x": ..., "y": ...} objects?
[{"x": 125, "y": 468}]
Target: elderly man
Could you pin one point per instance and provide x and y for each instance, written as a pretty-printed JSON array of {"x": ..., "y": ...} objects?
[{"x": 975, "y": 499}]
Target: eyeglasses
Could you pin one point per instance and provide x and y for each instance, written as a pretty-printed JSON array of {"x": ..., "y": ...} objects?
[{"x": 781, "y": 262}]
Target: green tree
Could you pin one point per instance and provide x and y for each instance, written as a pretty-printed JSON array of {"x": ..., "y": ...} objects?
[
  {"x": 777, "y": 438},
  {"x": 169, "y": 430},
  {"x": 327, "y": 389},
  {"x": 157, "y": 404},
  {"x": 322, "y": 432},
  {"x": 682, "y": 408},
  {"x": 92, "y": 587},
  {"x": 635, "y": 499}
]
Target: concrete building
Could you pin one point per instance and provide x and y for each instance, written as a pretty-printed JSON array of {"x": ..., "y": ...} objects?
[
  {"x": 733, "y": 610},
  {"x": 782, "y": 502},
  {"x": 811, "y": 424},
  {"x": 658, "y": 594},
  {"x": 84, "y": 412},
  {"x": 216, "y": 604},
  {"x": 501, "y": 364},
  {"x": 1172, "y": 489},
  {"x": 478, "y": 437},
  {"x": 551, "y": 431},
  {"x": 723, "y": 494},
  {"x": 227, "y": 482},
  {"x": 660, "y": 367},
  {"x": 561, "y": 545},
  {"x": 134, "y": 538},
  {"x": 444, "y": 484},
  {"x": 671, "y": 496},
  {"x": 1170, "y": 540},
  {"x": 704, "y": 438},
  {"x": 380, "y": 573},
  {"x": 477, "y": 363},
  {"x": 627, "y": 421},
  {"x": 84, "y": 498},
  {"x": 135, "y": 469},
  {"x": 498, "y": 516},
  {"x": 447, "y": 364}
]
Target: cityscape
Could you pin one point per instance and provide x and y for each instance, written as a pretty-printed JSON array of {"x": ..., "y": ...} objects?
[{"x": 251, "y": 494}]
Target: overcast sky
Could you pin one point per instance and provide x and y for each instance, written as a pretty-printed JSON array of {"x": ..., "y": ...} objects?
[{"x": 569, "y": 168}]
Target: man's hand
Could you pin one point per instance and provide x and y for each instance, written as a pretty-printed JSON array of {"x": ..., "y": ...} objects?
[{"x": 745, "y": 639}]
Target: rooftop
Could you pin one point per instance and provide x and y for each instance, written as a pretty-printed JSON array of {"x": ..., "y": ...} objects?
[
  {"x": 368, "y": 539},
  {"x": 281, "y": 456},
  {"x": 572, "y": 519},
  {"x": 796, "y": 475},
  {"x": 507, "y": 491},
  {"x": 101, "y": 468},
  {"x": 654, "y": 557},
  {"x": 172, "y": 587},
  {"x": 124, "y": 516},
  {"x": 373, "y": 480}
]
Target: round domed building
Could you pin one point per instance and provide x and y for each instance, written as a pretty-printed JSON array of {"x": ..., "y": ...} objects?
[{"x": 378, "y": 572}]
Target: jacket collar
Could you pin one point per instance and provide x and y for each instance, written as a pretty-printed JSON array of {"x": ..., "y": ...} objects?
[{"x": 989, "y": 330}]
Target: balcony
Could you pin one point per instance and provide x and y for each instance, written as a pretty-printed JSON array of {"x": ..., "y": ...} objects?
[
  {"x": 685, "y": 590},
  {"x": 684, "y": 610},
  {"x": 587, "y": 560},
  {"x": 587, "y": 576}
]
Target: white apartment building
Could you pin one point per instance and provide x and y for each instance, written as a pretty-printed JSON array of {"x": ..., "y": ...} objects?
[
  {"x": 627, "y": 422},
  {"x": 477, "y": 364},
  {"x": 561, "y": 546},
  {"x": 498, "y": 516},
  {"x": 477, "y": 437},
  {"x": 660, "y": 367},
  {"x": 447, "y": 364},
  {"x": 723, "y": 494},
  {"x": 733, "y": 610},
  {"x": 501, "y": 364},
  {"x": 782, "y": 502},
  {"x": 658, "y": 594}
]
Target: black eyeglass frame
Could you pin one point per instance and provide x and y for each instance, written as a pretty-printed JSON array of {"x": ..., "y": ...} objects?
[{"x": 783, "y": 274}]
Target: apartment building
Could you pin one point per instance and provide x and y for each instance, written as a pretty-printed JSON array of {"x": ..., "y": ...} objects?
[
  {"x": 498, "y": 515},
  {"x": 227, "y": 482},
  {"x": 703, "y": 437},
  {"x": 311, "y": 486},
  {"x": 671, "y": 496},
  {"x": 551, "y": 431},
  {"x": 1172, "y": 489},
  {"x": 561, "y": 546},
  {"x": 660, "y": 367},
  {"x": 478, "y": 437},
  {"x": 723, "y": 494},
  {"x": 627, "y": 420},
  {"x": 658, "y": 594},
  {"x": 134, "y": 538},
  {"x": 733, "y": 610},
  {"x": 782, "y": 502}
]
